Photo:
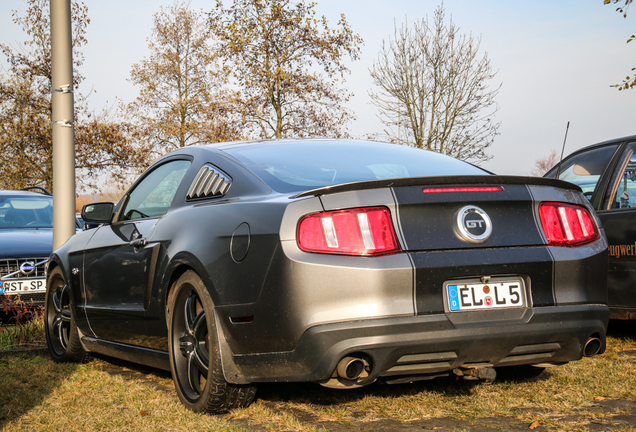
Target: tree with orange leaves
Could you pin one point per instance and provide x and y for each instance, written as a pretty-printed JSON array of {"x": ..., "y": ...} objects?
[
  {"x": 181, "y": 99},
  {"x": 288, "y": 66},
  {"x": 101, "y": 145}
]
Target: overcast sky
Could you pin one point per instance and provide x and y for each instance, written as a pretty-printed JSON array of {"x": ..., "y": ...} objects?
[{"x": 555, "y": 61}]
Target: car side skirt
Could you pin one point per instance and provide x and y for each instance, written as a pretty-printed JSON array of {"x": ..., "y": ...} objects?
[{"x": 135, "y": 354}]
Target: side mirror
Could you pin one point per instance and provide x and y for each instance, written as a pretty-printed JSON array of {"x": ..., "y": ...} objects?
[{"x": 98, "y": 212}]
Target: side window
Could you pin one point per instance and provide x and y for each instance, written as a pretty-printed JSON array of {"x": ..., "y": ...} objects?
[
  {"x": 585, "y": 169},
  {"x": 622, "y": 191},
  {"x": 153, "y": 196}
]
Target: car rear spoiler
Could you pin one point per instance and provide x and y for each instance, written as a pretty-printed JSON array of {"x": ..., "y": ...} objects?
[{"x": 441, "y": 180}]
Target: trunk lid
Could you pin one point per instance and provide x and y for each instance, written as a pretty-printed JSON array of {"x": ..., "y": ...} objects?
[
  {"x": 431, "y": 221},
  {"x": 468, "y": 219}
]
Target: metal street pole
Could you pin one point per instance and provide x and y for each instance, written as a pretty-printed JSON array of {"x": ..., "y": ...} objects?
[{"x": 63, "y": 123}]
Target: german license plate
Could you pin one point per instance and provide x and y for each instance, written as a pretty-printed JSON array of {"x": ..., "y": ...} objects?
[
  {"x": 479, "y": 296},
  {"x": 23, "y": 286}
]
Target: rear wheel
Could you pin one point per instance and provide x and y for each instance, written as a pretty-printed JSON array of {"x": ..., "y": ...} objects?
[
  {"x": 62, "y": 337},
  {"x": 194, "y": 351}
]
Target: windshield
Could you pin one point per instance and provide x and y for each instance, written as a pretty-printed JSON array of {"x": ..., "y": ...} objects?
[
  {"x": 304, "y": 165},
  {"x": 26, "y": 212}
]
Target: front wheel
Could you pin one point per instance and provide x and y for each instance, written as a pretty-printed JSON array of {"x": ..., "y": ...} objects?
[
  {"x": 194, "y": 351},
  {"x": 62, "y": 337}
]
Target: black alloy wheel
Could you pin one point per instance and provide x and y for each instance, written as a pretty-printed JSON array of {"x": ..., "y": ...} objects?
[
  {"x": 194, "y": 351},
  {"x": 62, "y": 336},
  {"x": 192, "y": 364}
]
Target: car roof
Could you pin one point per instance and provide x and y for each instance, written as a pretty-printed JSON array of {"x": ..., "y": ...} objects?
[
  {"x": 604, "y": 143},
  {"x": 285, "y": 141},
  {"x": 16, "y": 193},
  {"x": 221, "y": 147},
  {"x": 232, "y": 144}
]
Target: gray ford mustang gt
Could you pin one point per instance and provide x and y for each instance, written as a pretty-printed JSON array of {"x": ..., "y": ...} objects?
[{"x": 339, "y": 262}]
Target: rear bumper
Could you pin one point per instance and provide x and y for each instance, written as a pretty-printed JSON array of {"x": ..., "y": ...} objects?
[{"x": 428, "y": 344}]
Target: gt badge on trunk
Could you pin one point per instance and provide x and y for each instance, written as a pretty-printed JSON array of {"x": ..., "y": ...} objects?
[{"x": 474, "y": 225}]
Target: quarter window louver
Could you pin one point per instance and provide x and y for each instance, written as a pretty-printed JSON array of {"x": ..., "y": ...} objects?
[{"x": 209, "y": 182}]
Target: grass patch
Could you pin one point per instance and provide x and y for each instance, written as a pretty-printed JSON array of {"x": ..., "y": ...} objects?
[
  {"x": 24, "y": 323},
  {"x": 37, "y": 394},
  {"x": 27, "y": 334}
]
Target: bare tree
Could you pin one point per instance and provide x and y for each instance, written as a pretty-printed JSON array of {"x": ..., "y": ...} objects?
[
  {"x": 287, "y": 65},
  {"x": 433, "y": 90},
  {"x": 630, "y": 80},
  {"x": 543, "y": 165},
  {"x": 181, "y": 101}
]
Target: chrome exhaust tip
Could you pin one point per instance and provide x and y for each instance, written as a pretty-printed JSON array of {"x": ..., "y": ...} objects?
[
  {"x": 351, "y": 368},
  {"x": 592, "y": 347}
]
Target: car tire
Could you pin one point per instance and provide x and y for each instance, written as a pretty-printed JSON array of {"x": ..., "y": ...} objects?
[
  {"x": 62, "y": 337},
  {"x": 194, "y": 352},
  {"x": 518, "y": 373}
]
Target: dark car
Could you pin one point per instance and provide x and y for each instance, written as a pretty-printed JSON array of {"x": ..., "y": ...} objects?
[
  {"x": 607, "y": 174},
  {"x": 331, "y": 261},
  {"x": 26, "y": 241}
]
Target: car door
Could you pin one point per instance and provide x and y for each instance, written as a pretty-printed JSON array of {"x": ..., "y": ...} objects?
[
  {"x": 617, "y": 211},
  {"x": 587, "y": 169},
  {"x": 119, "y": 259}
]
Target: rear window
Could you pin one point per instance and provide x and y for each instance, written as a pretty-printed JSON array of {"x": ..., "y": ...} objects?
[{"x": 304, "y": 165}]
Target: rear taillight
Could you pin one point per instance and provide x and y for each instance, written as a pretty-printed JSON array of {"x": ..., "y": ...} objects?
[
  {"x": 567, "y": 224},
  {"x": 360, "y": 231}
]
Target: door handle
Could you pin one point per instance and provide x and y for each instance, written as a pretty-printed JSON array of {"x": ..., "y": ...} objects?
[{"x": 140, "y": 242}]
